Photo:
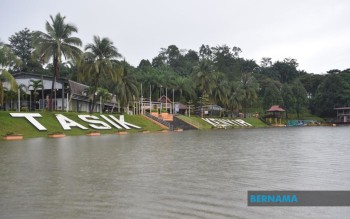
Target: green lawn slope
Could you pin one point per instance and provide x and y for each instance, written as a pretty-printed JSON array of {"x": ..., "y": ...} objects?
[
  {"x": 49, "y": 121},
  {"x": 201, "y": 124}
]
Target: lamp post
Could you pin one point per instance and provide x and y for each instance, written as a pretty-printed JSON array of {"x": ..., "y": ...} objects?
[
  {"x": 141, "y": 101},
  {"x": 19, "y": 100},
  {"x": 42, "y": 93},
  {"x": 173, "y": 102},
  {"x": 189, "y": 107},
  {"x": 160, "y": 96},
  {"x": 150, "y": 98}
]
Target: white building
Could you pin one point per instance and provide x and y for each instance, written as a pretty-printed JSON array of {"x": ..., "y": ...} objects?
[{"x": 66, "y": 92}]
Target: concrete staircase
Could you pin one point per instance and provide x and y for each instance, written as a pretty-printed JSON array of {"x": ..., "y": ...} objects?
[
  {"x": 165, "y": 123},
  {"x": 175, "y": 124}
]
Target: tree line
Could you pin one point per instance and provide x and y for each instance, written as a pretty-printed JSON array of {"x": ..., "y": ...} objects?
[{"x": 212, "y": 74}]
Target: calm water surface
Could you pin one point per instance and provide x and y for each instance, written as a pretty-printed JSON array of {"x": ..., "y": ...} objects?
[{"x": 192, "y": 174}]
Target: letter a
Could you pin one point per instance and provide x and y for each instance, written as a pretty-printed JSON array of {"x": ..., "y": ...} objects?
[{"x": 67, "y": 123}]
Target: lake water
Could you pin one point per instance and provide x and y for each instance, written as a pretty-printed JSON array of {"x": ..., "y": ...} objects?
[{"x": 191, "y": 174}]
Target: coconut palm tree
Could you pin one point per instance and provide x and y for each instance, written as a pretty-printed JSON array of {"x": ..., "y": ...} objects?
[
  {"x": 250, "y": 88},
  {"x": 54, "y": 44},
  {"x": 235, "y": 98},
  {"x": 220, "y": 89},
  {"x": 23, "y": 89},
  {"x": 98, "y": 62},
  {"x": 36, "y": 85},
  {"x": 185, "y": 86},
  {"x": 126, "y": 86},
  {"x": 104, "y": 95},
  {"x": 203, "y": 77}
]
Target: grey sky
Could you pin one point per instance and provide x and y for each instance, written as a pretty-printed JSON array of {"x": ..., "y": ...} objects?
[{"x": 315, "y": 32}]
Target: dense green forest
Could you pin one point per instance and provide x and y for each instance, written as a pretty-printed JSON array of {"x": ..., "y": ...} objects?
[{"x": 214, "y": 74}]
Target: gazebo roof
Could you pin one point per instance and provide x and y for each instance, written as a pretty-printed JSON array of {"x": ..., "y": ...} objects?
[
  {"x": 164, "y": 99},
  {"x": 275, "y": 108}
]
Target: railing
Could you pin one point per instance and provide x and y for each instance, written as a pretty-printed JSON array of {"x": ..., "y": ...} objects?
[{"x": 167, "y": 124}]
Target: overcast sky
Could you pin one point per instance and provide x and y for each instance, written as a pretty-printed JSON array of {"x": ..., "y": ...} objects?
[{"x": 315, "y": 32}]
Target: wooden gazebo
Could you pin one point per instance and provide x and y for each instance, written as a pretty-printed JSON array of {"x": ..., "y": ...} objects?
[{"x": 275, "y": 113}]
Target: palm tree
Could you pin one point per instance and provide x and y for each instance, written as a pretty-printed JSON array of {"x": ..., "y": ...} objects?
[
  {"x": 250, "y": 88},
  {"x": 23, "y": 93},
  {"x": 36, "y": 84},
  {"x": 104, "y": 95},
  {"x": 235, "y": 98},
  {"x": 7, "y": 59},
  {"x": 184, "y": 85},
  {"x": 220, "y": 89},
  {"x": 203, "y": 76},
  {"x": 57, "y": 42},
  {"x": 127, "y": 87},
  {"x": 5, "y": 76},
  {"x": 99, "y": 59}
]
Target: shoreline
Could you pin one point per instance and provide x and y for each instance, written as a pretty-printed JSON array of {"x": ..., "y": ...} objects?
[{"x": 21, "y": 126}]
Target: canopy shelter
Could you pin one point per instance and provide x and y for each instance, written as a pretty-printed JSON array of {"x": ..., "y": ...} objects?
[{"x": 275, "y": 113}]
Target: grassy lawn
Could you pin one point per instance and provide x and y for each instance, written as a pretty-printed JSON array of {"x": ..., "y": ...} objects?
[
  {"x": 255, "y": 122},
  {"x": 196, "y": 121},
  {"x": 201, "y": 124},
  {"x": 49, "y": 121}
]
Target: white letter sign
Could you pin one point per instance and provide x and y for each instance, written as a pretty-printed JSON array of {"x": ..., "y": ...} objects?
[
  {"x": 87, "y": 118},
  {"x": 67, "y": 123},
  {"x": 30, "y": 118},
  {"x": 123, "y": 123}
]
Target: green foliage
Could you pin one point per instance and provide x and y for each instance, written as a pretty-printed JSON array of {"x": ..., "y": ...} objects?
[
  {"x": 203, "y": 77},
  {"x": 289, "y": 99},
  {"x": 300, "y": 96},
  {"x": 8, "y": 58},
  {"x": 272, "y": 96},
  {"x": 126, "y": 88},
  {"x": 36, "y": 85},
  {"x": 249, "y": 87},
  {"x": 255, "y": 122},
  {"x": 55, "y": 43},
  {"x": 5, "y": 76},
  {"x": 196, "y": 121},
  {"x": 332, "y": 92},
  {"x": 311, "y": 83},
  {"x": 218, "y": 73},
  {"x": 21, "y": 44},
  {"x": 48, "y": 120},
  {"x": 99, "y": 62},
  {"x": 104, "y": 95}
]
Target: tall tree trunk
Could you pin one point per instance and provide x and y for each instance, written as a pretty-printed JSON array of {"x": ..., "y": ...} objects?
[
  {"x": 91, "y": 110},
  {"x": 56, "y": 72},
  {"x": 51, "y": 94},
  {"x": 92, "y": 105}
]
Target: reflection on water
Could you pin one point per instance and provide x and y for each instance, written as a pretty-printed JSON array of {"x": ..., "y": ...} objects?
[{"x": 192, "y": 174}]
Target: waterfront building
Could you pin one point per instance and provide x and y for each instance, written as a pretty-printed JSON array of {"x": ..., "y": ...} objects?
[
  {"x": 68, "y": 95},
  {"x": 343, "y": 114}
]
